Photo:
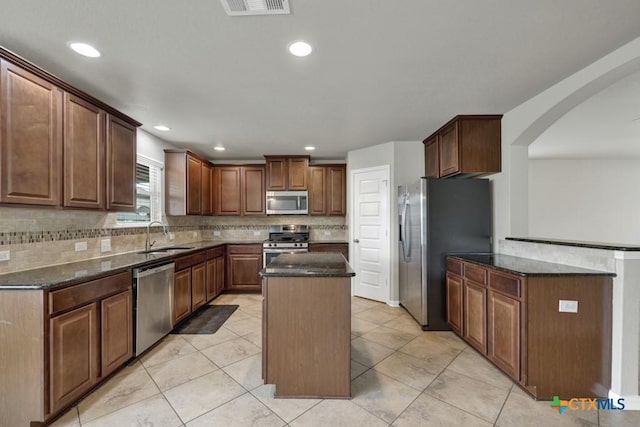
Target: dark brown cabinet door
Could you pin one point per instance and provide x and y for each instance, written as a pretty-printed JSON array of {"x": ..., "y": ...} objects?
[
  {"x": 84, "y": 136},
  {"x": 317, "y": 190},
  {"x": 219, "y": 275},
  {"x": 298, "y": 171},
  {"x": 198, "y": 286},
  {"x": 117, "y": 328},
  {"x": 228, "y": 190},
  {"x": 30, "y": 139},
  {"x": 448, "y": 147},
  {"x": 181, "y": 295},
  {"x": 454, "y": 303},
  {"x": 475, "y": 319},
  {"x": 336, "y": 190},
  {"x": 210, "y": 289},
  {"x": 253, "y": 193},
  {"x": 121, "y": 165},
  {"x": 244, "y": 262},
  {"x": 504, "y": 333},
  {"x": 194, "y": 186},
  {"x": 74, "y": 355},
  {"x": 276, "y": 173},
  {"x": 432, "y": 157},
  {"x": 207, "y": 205}
]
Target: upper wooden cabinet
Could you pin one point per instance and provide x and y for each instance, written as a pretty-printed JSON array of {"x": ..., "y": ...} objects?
[
  {"x": 188, "y": 183},
  {"x": 60, "y": 146},
  {"x": 84, "y": 154},
  {"x": 287, "y": 172},
  {"x": 239, "y": 190},
  {"x": 30, "y": 139},
  {"x": 121, "y": 165},
  {"x": 465, "y": 146},
  {"x": 327, "y": 190}
]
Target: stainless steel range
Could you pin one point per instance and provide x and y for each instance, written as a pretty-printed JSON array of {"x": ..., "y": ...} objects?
[{"x": 285, "y": 239}]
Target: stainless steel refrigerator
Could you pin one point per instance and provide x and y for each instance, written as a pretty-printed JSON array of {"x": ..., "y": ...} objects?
[{"x": 437, "y": 217}]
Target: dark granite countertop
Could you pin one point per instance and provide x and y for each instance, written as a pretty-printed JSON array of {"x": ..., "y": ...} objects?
[
  {"x": 65, "y": 274},
  {"x": 311, "y": 264},
  {"x": 578, "y": 243},
  {"x": 527, "y": 266},
  {"x": 329, "y": 242}
]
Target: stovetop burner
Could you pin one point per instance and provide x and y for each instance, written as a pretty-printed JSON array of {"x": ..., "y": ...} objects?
[{"x": 298, "y": 235}]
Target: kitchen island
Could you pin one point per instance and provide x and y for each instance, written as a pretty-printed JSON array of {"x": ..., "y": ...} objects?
[{"x": 306, "y": 326}]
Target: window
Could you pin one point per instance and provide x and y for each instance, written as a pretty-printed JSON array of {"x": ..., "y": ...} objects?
[{"x": 148, "y": 193}]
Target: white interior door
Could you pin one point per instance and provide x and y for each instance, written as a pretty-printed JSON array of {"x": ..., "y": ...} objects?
[{"x": 370, "y": 232}]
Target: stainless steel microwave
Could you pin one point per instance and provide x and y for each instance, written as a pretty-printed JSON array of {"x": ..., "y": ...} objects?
[{"x": 287, "y": 202}]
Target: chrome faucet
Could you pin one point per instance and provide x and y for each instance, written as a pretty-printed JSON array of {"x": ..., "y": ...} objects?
[{"x": 148, "y": 243}]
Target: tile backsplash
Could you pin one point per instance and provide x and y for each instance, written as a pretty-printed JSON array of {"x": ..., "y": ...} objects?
[{"x": 40, "y": 237}]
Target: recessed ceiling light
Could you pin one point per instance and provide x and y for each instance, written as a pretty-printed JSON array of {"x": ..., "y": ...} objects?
[
  {"x": 85, "y": 49},
  {"x": 309, "y": 148},
  {"x": 300, "y": 48},
  {"x": 163, "y": 128},
  {"x": 219, "y": 148}
]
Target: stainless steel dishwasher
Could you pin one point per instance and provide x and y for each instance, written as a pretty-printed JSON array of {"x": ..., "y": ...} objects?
[{"x": 153, "y": 293}]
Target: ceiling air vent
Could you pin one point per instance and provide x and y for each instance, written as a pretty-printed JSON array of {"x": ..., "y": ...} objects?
[{"x": 255, "y": 7}]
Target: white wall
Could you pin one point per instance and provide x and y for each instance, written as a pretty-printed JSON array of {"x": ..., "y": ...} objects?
[
  {"x": 593, "y": 200},
  {"x": 151, "y": 146}
]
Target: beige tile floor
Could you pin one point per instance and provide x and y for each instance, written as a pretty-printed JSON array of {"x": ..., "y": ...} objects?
[{"x": 401, "y": 376}]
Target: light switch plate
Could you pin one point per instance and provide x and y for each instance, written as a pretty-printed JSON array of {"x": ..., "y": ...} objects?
[
  {"x": 5, "y": 255},
  {"x": 568, "y": 306},
  {"x": 172, "y": 236},
  {"x": 256, "y": 233},
  {"x": 327, "y": 233},
  {"x": 216, "y": 233},
  {"x": 195, "y": 234},
  {"x": 81, "y": 246},
  {"x": 105, "y": 245}
]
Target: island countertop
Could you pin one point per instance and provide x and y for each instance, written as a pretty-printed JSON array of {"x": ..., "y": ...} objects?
[
  {"x": 527, "y": 267},
  {"x": 311, "y": 264}
]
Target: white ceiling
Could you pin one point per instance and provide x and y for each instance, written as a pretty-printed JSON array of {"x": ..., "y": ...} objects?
[
  {"x": 607, "y": 125},
  {"x": 380, "y": 71}
]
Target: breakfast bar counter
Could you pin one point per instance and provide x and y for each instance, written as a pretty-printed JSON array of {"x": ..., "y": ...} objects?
[{"x": 306, "y": 326}]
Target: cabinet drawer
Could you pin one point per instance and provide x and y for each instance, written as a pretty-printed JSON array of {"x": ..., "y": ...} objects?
[
  {"x": 506, "y": 284},
  {"x": 215, "y": 252},
  {"x": 189, "y": 260},
  {"x": 454, "y": 266},
  {"x": 74, "y": 296},
  {"x": 244, "y": 249},
  {"x": 477, "y": 274}
]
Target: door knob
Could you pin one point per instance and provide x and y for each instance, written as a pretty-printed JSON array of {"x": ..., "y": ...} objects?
[{"x": 356, "y": 240}]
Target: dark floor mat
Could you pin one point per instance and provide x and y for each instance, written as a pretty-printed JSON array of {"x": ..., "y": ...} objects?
[{"x": 206, "y": 321}]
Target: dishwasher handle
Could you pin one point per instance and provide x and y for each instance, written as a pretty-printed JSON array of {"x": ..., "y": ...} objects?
[{"x": 146, "y": 271}]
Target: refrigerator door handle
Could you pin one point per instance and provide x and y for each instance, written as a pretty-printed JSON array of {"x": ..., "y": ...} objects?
[{"x": 405, "y": 237}]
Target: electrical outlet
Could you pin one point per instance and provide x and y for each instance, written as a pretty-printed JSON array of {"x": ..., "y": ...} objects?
[
  {"x": 568, "y": 306},
  {"x": 216, "y": 233},
  {"x": 256, "y": 233},
  {"x": 105, "y": 265},
  {"x": 81, "y": 246},
  {"x": 172, "y": 236},
  {"x": 81, "y": 273},
  {"x": 327, "y": 233},
  {"x": 195, "y": 234},
  {"x": 5, "y": 255},
  {"x": 105, "y": 245}
]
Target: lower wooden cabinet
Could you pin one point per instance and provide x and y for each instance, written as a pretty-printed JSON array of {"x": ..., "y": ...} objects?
[
  {"x": 503, "y": 324},
  {"x": 181, "y": 295},
  {"x": 75, "y": 354},
  {"x": 215, "y": 273},
  {"x": 514, "y": 321},
  {"x": 244, "y": 262},
  {"x": 198, "y": 286},
  {"x": 475, "y": 315},
  {"x": 117, "y": 331},
  {"x": 90, "y": 336},
  {"x": 454, "y": 303}
]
